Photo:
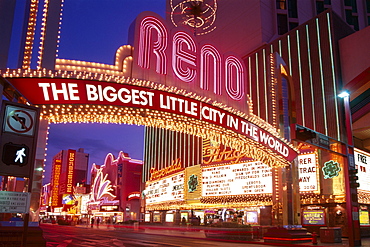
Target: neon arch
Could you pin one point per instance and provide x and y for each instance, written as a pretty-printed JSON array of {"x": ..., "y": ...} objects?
[{"x": 198, "y": 116}]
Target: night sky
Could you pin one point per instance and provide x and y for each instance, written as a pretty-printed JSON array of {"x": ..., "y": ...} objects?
[{"x": 92, "y": 30}]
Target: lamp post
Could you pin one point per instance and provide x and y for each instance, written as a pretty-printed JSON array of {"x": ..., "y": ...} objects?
[{"x": 352, "y": 207}]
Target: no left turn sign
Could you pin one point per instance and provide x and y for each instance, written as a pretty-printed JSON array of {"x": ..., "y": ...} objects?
[{"x": 19, "y": 120}]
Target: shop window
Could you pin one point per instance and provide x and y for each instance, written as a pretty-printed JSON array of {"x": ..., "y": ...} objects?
[
  {"x": 319, "y": 7},
  {"x": 292, "y": 8},
  {"x": 282, "y": 21},
  {"x": 280, "y": 4}
]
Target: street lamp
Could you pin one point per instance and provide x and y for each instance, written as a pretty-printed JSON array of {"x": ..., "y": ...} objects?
[{"x": 352, "y": 207}]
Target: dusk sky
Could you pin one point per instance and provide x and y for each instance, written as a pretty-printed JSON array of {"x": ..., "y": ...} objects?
[{"x": 93, "y": 30}]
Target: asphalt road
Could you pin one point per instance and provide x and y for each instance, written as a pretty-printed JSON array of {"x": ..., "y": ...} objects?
[{"x": 77, "y": 236}]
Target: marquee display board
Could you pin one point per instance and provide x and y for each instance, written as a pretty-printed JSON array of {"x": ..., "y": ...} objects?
[
  {"x": 362, "y": 162},
  {"x": 167, "y": 189},
  {"x": 237, "y": 179}
]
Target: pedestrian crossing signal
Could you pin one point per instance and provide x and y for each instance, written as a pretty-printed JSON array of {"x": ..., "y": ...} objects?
[{"x": 15, "y": 154}]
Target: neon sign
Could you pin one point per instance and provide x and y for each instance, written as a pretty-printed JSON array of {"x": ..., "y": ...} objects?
[
  {"x": 189, "y": 62},
  {"x": 70, "y": 170}
]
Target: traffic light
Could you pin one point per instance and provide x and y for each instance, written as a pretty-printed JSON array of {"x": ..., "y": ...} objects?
[
  {"x": 304, "y": 134},
  {"x": 15, "y": 154},
  {"x": 352, "y": 173}
]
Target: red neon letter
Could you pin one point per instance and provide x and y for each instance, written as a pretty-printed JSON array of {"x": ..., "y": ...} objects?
[
  {"x": 147, "y": 27},
  {"x": 183, "y": 56},
  {"x": 234, "y": 74},
  {"x": 210, "y": 61}
]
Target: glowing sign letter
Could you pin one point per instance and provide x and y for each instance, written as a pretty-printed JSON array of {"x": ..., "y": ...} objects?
[
  {"x": 210, "y": 61},
  {"x": 234, "y": 74},
  {"x": 150, "y": 26},
  {"x": 183, "y": 56}
]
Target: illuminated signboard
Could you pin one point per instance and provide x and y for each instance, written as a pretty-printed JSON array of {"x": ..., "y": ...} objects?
[
  {"x": 237, "y": 179},
  {"x": 57, "y": 166},
  {"x": 362, "y": 162},
  {"x": 70, "y": 170},
  {"x": 167, "y": 189},
  {"x": 72, "y": 91},
  {"x": 109, "y": 208},
  {"x": 364, "y": 217},
  {"x": 133, "y": 195},
  {"x": 67, "y": 199},
  {"x": 307, "y": 172},
  {"x": 313, "y": 217}
]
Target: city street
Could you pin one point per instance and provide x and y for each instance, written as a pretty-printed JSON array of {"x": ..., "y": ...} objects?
[
  {"x": 103, "y": 236},
  {"x": 73, "y": 236}
]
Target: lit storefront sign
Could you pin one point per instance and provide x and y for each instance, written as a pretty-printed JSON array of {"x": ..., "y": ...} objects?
[
  {"x": 167, "y": 189},
  {"x": 109, "y": 208},
  {"x": 313, "y": 216},
  {"x": 362, "y": 162},
  {"x": 307, "y": 170},
  {"x": 237, "y": 179},
  {"x": 133, "y": 195}
]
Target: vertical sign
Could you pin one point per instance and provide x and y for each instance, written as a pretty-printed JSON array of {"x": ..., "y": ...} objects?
[
  {"x": 70, "y": 169},
  {"x": 57, "y": 167}
]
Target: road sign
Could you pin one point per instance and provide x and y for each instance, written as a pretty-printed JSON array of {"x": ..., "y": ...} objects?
[
  {"x": 14, "y": 202},
  {"x": 19, "y": 129},
  {"x": 19, "y": 120}
]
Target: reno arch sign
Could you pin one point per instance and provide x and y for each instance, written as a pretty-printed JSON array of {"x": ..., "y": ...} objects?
[
  {"x": 175, "y": 66},
  {"x": 172, "y": 57}
]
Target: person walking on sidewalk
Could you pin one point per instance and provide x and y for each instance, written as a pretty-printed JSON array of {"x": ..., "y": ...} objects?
[
  {"x": 97, "y": 222},
  {"x": 92, "y": 222}
]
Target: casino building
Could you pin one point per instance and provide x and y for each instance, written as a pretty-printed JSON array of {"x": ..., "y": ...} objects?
[{"x": 240, "y": 103}]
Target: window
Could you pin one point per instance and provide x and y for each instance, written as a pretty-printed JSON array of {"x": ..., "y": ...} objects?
[
  {"x": 282, "y": 21},
  {"x": 292, "y": 8},
  {"x": 327, "y": 2},
  {"x": 280, "y": 4},
  {"x": 292, "y": 25},
  {"x": 319, "y": 7},
  {"x": 349, "y": 17},
  {"x": 368, "y": 20},
  {"x": 368, "y": 6},
  {"x": 355, "y": 23},
  {"x": 347, "y": 2}
]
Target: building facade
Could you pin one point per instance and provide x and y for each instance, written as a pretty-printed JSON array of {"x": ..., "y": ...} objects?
[{"x": 116, "y": 189}]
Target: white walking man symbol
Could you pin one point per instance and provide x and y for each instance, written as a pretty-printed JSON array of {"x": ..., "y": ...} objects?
[{"x": 20, "y": 154}]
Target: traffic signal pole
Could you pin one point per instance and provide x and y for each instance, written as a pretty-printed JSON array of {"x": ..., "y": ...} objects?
[{"x": 352, "y": 206}]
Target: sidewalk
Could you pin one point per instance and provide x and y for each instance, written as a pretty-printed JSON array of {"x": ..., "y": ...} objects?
[{"x": 198, "y": 232}]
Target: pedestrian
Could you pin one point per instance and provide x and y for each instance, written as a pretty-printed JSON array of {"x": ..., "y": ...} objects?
[
  {"x": 97, "y": 222},
  {"x": 183, "y": 221},
  {"x": 92, "y": 222}
]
